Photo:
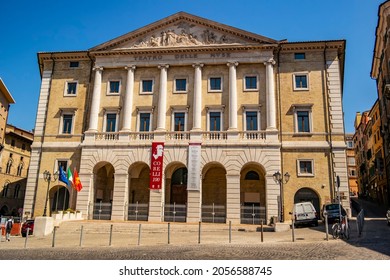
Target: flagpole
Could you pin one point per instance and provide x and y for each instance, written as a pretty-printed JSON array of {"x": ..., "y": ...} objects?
[
  {"x": 58, "y": 193},
  {"x": 63, "y": 205}
]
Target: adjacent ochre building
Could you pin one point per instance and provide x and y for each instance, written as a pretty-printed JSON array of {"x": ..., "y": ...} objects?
[
  {"x": 223, "y": 108},
  {"x": 14, "y": 165},
  {"x": 380, "y": 71}
]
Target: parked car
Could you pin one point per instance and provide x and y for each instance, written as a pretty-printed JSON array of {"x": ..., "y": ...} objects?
[
  {"x": 27, "y": 224},
  {"x": 388, "y": 217},
  {"x": 305, "y": 214},
  {"x": 332, "y": 210}
]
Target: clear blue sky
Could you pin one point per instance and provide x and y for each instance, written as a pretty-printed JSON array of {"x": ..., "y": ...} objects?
[{"x": 28, "y": 27}]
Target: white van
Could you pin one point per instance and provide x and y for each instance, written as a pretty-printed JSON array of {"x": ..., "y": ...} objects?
[{"x": 305, "y": 214}]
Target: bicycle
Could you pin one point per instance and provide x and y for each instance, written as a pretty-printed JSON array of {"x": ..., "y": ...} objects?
[{"x": 341, "y": 230}]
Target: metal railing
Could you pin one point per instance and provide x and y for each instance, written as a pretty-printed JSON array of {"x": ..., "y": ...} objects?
[
  {"x": 175, "y": 212},
  {"x": 214, "y": 213},
  {"x": 138, "y": 212},
  {"x": 102, "y": 211},
  {"x": 252, "y": 214}
]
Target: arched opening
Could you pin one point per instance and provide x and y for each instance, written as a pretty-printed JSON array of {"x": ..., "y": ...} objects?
[
  {"x": 175, "y": 193},
  {"x": 103, "y": 191},
  {"x": 178, "y": 193},
  {"x": 60, "y": 199},
  {"x": 307, "y": 194},
  {"x": 139, "y": 192},
  {"x": 214, "y": 193},
  {"x": 252, "y": 194}
]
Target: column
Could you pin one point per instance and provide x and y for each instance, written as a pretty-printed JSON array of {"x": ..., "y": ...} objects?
[
  {"x": 128, "y": 103},
  {"x": 120, "y": 197},
  {"x": 197, "y": 111},
  {"x": 162, "y": 99},
  {"x": 270, "y": 87},
  {"x": 233, "y": 206},
  {"x": 232, "y": 95},
  {"x": 95, "y": 106}
]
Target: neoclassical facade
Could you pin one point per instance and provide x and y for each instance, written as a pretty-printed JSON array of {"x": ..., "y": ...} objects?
[{"x": 188, "y": 120}]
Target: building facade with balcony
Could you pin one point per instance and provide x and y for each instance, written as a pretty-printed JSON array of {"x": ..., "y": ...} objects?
[
  {"x": 13, "y": 170},
  {"x": 380, "y": 71},
  {"x": 187, "y": 119}
]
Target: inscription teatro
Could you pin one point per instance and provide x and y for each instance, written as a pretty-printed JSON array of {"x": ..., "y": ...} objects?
[{"x": 179, "y": 57}]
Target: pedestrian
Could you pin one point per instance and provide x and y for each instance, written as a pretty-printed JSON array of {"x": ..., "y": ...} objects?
[{"x": 8, "y": 227}]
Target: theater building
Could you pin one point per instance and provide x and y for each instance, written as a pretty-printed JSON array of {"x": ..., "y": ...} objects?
[{"x": 187, "y": 119}]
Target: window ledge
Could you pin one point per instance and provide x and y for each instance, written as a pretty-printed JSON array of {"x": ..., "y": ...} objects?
[{"x": 303, "y": 134}]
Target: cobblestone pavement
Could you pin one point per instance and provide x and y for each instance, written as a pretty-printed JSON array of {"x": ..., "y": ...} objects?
[
  {"x": 217, "y": 243},
  {"x": 108, "y": 240}
]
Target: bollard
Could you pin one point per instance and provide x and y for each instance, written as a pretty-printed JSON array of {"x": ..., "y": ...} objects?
[
  {"x": 25, "y": 241},
  {"x": 199, "y": 231},
  {"x": 169, "y": 233},
  {"x": 139, "y": 234},
  {"x": 230, "y": 231},
  {"x": 293, "y": 230},
  {"x": 110, "y": 241},
  {"x": 54, "y": 237},
  {"x": 81, "y": 236},
  {"x": 262, "y": 231},
  {"x": 326, "y": 226}
]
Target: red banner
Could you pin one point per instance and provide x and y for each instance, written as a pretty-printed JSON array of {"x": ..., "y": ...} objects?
[{"x": 156, "y": 166}]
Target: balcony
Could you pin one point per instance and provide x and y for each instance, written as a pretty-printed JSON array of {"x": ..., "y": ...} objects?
[{"x": 183, "y": 137}]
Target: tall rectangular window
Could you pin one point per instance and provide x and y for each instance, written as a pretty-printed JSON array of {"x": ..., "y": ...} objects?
[
  {"x": 305, "y": 167},
  {"x": 215, "y": 84},
  {"x": 301, "y": 82},
  {"x": 250, "y": 82},
  {"x": 251, "y": 120},
  {"x": 215, "y": 121},
  {"x": 62, "y": 164},
  {"x": 110, "y": 122},
  {"x": 147, "y": 86},
  {"x": 67, "y": 121},
  {"x": 303, "y": 121},
  {"x": 114, "y": 87},
  {"x": 144, "y": 122},
  {"x": 181, "y": 85},
  {"x": 71, "y": 88},
  {"x": 179, "y": 121}
]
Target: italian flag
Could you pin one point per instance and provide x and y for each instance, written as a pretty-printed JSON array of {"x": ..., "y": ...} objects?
[{"x": 70, "y": 177}]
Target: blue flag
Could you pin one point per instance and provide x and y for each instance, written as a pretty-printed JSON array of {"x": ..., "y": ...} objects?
[{"x": 62, "y": 177}]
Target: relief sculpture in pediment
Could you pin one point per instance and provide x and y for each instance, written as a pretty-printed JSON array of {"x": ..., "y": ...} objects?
[{"x": 171, "y": 38}]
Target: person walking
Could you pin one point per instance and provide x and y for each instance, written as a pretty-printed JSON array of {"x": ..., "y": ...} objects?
[{"x": 8, "y": 227}]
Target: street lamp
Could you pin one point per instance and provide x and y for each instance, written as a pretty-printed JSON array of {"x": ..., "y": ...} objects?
[
  {"x": 279, "y": 179},
  {"x": 47, "y": 176}
]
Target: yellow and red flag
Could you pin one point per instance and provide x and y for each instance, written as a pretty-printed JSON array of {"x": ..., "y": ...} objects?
[{"x": 76, "y": 181}]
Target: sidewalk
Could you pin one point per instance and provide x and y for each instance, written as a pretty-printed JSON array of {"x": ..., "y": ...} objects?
[{"x": 76, "y": 234}]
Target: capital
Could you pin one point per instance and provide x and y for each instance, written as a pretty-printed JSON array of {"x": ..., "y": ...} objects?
[
  {"x": 163, "y": 66},
  {"x": 197, "y": 65},
  {"x": 232, "y": 64},
  {"x": 270, "y": 61},
  {"x": 130, "y": 67},
  {"x": 98, "y": 68}
]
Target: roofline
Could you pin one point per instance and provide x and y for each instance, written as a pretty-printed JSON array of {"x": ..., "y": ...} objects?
[
  {"x": 172, "y": 18},
  {"x": 377, "y": 40},
  {"x": 5, "y": 91}
]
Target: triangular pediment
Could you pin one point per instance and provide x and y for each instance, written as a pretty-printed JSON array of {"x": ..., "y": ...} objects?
[{"x": 183, "y": 30}]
